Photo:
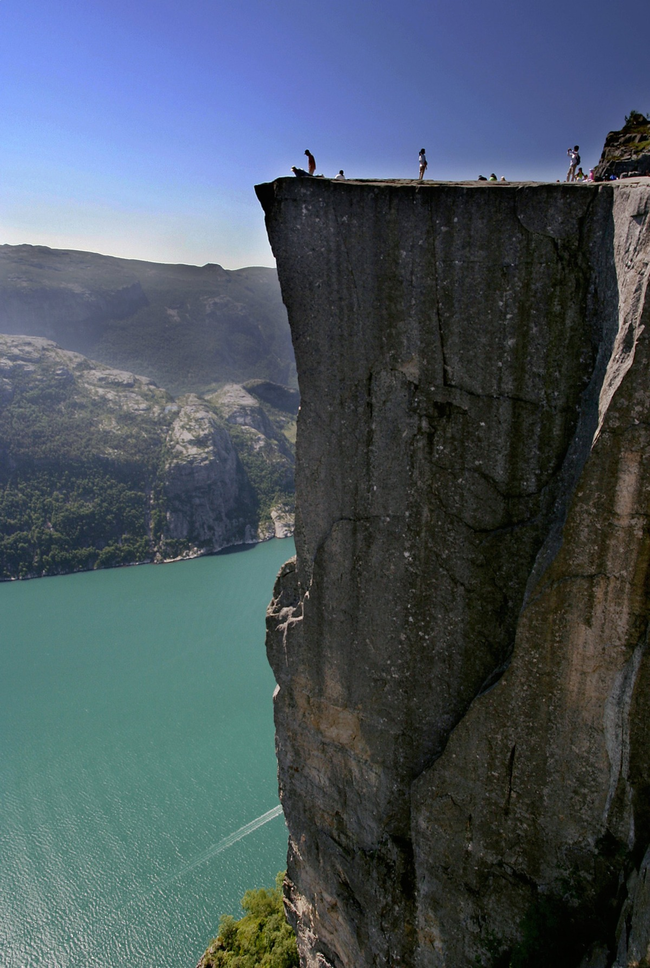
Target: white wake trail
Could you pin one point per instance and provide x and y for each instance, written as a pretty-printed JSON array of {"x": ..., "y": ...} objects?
[
  {"x": 223, "y": 844},
  {"x": 228, "y": 841}
]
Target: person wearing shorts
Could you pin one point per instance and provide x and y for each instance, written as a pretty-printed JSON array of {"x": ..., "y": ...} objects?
[{"x": 574, "y": 161}]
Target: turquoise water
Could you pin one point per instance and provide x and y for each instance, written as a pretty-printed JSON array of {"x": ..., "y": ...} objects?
[{"x": 138, "y": 793}]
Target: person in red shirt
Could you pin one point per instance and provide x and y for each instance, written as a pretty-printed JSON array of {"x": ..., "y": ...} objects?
[{"x": 311, "y": 160}]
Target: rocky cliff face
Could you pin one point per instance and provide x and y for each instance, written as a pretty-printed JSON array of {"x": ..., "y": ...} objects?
[
  {"x": 626, "y": 152},
  {"x": 208, "y": 497},
  {"x": 460, "y": 645}
]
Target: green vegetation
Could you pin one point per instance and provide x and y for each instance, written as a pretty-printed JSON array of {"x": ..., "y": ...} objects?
[
  {"x": 261, "y": 939},
  {"x": 76, "y": 491},
  {"x": 268, "y": 470},
  {"x": 636, "y": 117},
  {"x": 59, "y": 520},
  {"x": 98, "y": 467},
  {"x": 86, "y": 454}
]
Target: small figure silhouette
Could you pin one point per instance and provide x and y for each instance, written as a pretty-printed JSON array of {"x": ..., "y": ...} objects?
[
  {"x": 423, "y": 163},
  {"x": 574, "y": 161}
]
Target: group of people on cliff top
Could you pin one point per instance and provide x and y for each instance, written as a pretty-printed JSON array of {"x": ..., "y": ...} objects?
[
  {"x": 311, "y": 167},
  {"x": 311, "y": 164},
  {"x": 574, "y": 174}
]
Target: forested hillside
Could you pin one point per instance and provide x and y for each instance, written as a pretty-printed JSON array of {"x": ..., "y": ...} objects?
[{"x": 101, "y": 467}]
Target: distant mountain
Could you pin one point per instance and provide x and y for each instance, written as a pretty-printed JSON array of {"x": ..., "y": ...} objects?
[
  {"x": 189, "y": 328},
  {"x": 101, "y": 467}
]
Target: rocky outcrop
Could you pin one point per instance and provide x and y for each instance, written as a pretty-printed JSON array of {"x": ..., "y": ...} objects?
[
  {"x": 240, "y": 408},
  {"x": 209, "y": 502},
  {"x": 460, "y": 644},
  {"x": 626, "y": 152},
  {"x": 266, "y": 450},
  {"x": 284, "y": 399}
]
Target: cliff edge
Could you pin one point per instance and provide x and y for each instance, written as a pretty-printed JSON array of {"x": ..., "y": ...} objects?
[{"x": 460, "y": 644}]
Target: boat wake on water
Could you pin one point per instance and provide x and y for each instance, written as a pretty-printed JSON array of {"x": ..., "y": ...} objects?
[
  {"x": 222, "y": 845},
  {"x": 201, "y": 858}
]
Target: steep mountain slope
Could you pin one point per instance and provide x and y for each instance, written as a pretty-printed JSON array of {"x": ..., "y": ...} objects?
[
  {"x": 101, "y": 467},
  {"x": 189, "y": 328}
]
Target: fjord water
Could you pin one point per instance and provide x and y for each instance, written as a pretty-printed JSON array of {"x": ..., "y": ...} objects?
[{"x": 138, "y": 791}]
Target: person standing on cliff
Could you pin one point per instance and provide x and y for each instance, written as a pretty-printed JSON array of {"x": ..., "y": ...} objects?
[
  {"x": 311, "y": 160},
  {"x": 574, "y": 161},
  {"x": 423, "y": 163}
]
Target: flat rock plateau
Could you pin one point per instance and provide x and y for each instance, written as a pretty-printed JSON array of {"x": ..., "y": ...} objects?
[{"x": 461, "y": 644}]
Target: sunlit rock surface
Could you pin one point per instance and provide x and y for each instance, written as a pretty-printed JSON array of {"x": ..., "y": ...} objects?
[{"x": 626, "y": 153}]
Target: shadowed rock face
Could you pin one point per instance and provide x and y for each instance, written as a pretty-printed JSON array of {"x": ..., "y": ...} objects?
[
  {"x": 472, "y": 510},
  {"x": 626, "y": 152}
]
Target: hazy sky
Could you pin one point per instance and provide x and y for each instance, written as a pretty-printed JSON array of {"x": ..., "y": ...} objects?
[{"x": 139, "y": 127}]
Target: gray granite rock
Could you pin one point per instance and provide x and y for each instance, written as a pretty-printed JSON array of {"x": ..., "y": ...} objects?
[
  {"x": 460, "y": 644},
  {"x": 209, "y": 501}
]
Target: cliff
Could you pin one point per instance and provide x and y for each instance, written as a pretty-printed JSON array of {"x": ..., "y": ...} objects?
[
  {"x": 102, "y": 467},
  {"x": 460, "y": 644}
]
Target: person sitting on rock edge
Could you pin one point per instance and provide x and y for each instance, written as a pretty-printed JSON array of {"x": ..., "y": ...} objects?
[
  {"x": 340, "y": 176},
  {"x": 300, "y": 172},
  {"x": 493, "y": 177},
  {"x": 311, "y": 161}
]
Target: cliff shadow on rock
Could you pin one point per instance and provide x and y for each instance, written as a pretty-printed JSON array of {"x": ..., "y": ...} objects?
[{"x": 452, "y": 343}]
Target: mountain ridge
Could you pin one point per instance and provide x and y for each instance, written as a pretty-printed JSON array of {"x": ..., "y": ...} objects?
[{"x": 189, "y": 328}]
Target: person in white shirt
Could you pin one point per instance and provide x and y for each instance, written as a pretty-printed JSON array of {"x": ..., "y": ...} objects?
[
  {"x": 340, "y": 176},
  {"x": 574, "y": 161},
  {"x": 423, "y": 163}
]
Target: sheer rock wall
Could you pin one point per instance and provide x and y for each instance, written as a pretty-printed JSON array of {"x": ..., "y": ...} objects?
[{"x": 460, "y": 644}]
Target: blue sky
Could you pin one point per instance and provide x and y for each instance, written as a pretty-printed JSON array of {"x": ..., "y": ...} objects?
[{"x": 139, "y": 128}]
